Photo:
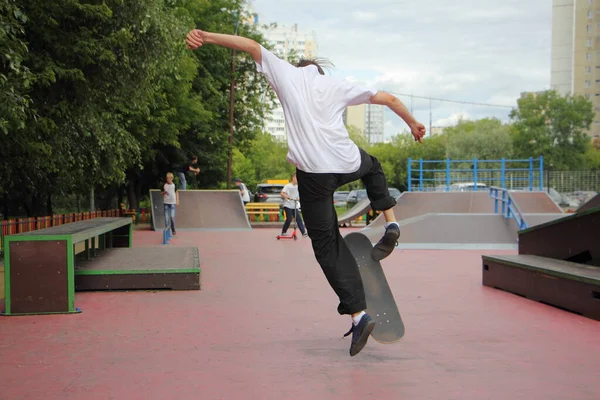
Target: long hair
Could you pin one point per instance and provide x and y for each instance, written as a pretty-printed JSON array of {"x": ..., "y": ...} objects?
[{"x": 318, "y": 62}]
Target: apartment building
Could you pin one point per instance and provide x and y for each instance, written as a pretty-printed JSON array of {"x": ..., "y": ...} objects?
[
  {"x": 369, "y": 119},
  {"x": 575, "y": 65}
]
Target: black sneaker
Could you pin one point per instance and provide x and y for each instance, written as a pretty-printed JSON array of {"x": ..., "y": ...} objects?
[
  {"x": 173, "y": 231},
  {"x": 386, "y": 244},
  {"x": 360, "y": 334}
]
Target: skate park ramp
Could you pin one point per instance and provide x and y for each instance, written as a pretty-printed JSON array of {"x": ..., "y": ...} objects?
[
  {"x": 453, "y": 231},
  {"x": 203, "y": 210},
  {"x": 414, "y": 204},
  {"x": 593, "y": 203},
  {"x": 360, "y": 208},
  {"x": 536, "y": 207},
  {"x": 465, "y": 220}
]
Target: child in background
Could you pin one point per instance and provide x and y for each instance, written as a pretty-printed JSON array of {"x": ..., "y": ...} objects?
[{"x": 170, "y": 200}]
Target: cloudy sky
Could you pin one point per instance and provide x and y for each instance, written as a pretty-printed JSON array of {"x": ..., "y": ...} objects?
[{"x": 484, "y": 51}]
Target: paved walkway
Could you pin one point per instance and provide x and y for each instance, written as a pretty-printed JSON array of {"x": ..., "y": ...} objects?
[{"x": 264, "y": 326}]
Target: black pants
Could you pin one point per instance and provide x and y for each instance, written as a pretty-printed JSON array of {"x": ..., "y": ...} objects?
[
  {"x": 320, "y": 218},
  {"x": 289, "y": 216}
]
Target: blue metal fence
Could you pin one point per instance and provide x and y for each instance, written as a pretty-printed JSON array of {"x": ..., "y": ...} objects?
[{"x": 447, "y": 175}]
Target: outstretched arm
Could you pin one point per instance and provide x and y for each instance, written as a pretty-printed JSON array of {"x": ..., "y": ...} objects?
[
  {"x": 393, "y": 103},
  {"x": 196, "y": 38}
]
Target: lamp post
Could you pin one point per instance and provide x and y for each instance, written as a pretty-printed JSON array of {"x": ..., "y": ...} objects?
[{"x": 232, "y": 105}]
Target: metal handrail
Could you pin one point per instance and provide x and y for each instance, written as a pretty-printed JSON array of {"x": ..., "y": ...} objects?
[{"x": 509, "y": 207}]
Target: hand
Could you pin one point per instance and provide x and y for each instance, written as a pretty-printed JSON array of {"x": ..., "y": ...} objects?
[
  {"x": 418, "y": 131},
  {"x": 195, "y": 38}
]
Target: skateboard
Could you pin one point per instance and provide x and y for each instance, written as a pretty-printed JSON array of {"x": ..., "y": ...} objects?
[{"x": 381, "y": 305}]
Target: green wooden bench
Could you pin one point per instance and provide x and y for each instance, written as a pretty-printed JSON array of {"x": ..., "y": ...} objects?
[{"x": 39, "y": 276}]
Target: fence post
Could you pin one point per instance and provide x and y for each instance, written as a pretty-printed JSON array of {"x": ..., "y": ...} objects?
[
  {"x": 530, "y": 174},
  {"x": 541, "y": 173},
  {"x": 503, "y": 201},
  {"x": 447, "y": 174},
  {"x": 421, "y": 174},
  {"x": 475, "y": 174},
  {"x": 494, "y": 192},
  {"x": 502, "y": 173},
  {"x": 409, "y": 175}
]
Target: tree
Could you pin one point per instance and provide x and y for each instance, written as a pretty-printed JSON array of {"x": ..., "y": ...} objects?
[
  {"x": 592, "y": 155},
  {"x": 15, "y": 77},
  {"x": 394, "y": 157},
  {"x": 485, "y": 139},
  {"x": 554, "y": 126}
]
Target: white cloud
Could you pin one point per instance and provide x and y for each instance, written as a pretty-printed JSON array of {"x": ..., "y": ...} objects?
[
  {"x": 469, "y": 50},
  {"x": 363, "y": 16},
  {"x": 452, "y": 119}
]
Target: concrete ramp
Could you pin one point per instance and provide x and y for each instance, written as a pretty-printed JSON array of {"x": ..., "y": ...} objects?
[
  {"x": 536, "y": 207},
  {"x": 453, "y": 231},
  {"x": 203, "y": 210},
  {"x": 593, "y": 203},
  {"x": 539, "y": 219},
  {"x": 413, "y": 204},
  {"x": 360, "y": 208},
  {"x": 535, "y": 203}
]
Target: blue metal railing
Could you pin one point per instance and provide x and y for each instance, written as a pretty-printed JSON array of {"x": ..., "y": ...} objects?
[
  {"x": 479, "y": 172},
  {"x": 509, "y": 208}
]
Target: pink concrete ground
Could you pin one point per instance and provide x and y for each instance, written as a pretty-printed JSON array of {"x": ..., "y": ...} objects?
[{"x": 264, "y": 326}]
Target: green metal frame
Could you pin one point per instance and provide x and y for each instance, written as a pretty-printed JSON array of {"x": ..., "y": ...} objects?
[
  {"x": 140, "y": 271},
  {"x": 71, "y": 240}
]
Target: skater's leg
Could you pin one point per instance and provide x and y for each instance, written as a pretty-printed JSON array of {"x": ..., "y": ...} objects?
[
  {"x": 333, "y": 254},
  {"x": 330, "y": 249},
  {"x": 372, "y": 175},
  {"x": 289, "y": 215}
]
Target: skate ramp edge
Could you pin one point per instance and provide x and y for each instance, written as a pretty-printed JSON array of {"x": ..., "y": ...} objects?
[
  {"x": 203, "y": 210},
  {"x": 360, "y": 208},
  {"x": 592, "y": 203},
  {"x": 453, "y": 232}
]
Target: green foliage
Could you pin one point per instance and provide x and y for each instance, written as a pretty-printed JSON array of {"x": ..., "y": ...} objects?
[
  {"x": 485, "y": 139},
  {"x": 15, "y": 78},
  {"x": 116, "y": 97},
  {"x": 263, "y": 159},
  {"x": 554, "y": 126}
]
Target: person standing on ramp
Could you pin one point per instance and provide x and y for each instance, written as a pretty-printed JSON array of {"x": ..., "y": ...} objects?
[{"x": 326, "y": 158}]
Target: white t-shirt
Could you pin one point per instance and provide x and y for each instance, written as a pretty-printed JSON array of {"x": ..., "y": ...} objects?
[
  {"x": 245, "y": 195},
  {"x": 170, "y": 197},
  {"x": 292, "y": 191},
  {"x": 313, "y": 106}
]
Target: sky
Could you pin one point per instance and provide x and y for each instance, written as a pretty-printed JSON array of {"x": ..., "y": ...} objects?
[{"x": 484, "y": 51}]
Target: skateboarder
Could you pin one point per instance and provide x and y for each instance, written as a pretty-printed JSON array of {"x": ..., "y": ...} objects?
[{"x": 326, "y": 158}]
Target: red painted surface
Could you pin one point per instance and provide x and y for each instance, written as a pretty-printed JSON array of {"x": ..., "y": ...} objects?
[{"x": 264, "y": 326}]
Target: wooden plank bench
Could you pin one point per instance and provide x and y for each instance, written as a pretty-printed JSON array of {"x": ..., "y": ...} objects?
[
  {"x": 564, "y": 284},
  {"x": 263, "y": 212},
  {"x": 39, "y": 276}
]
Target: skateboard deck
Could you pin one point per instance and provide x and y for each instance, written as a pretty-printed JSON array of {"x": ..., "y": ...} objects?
[{"x": 381, "y": 305}]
